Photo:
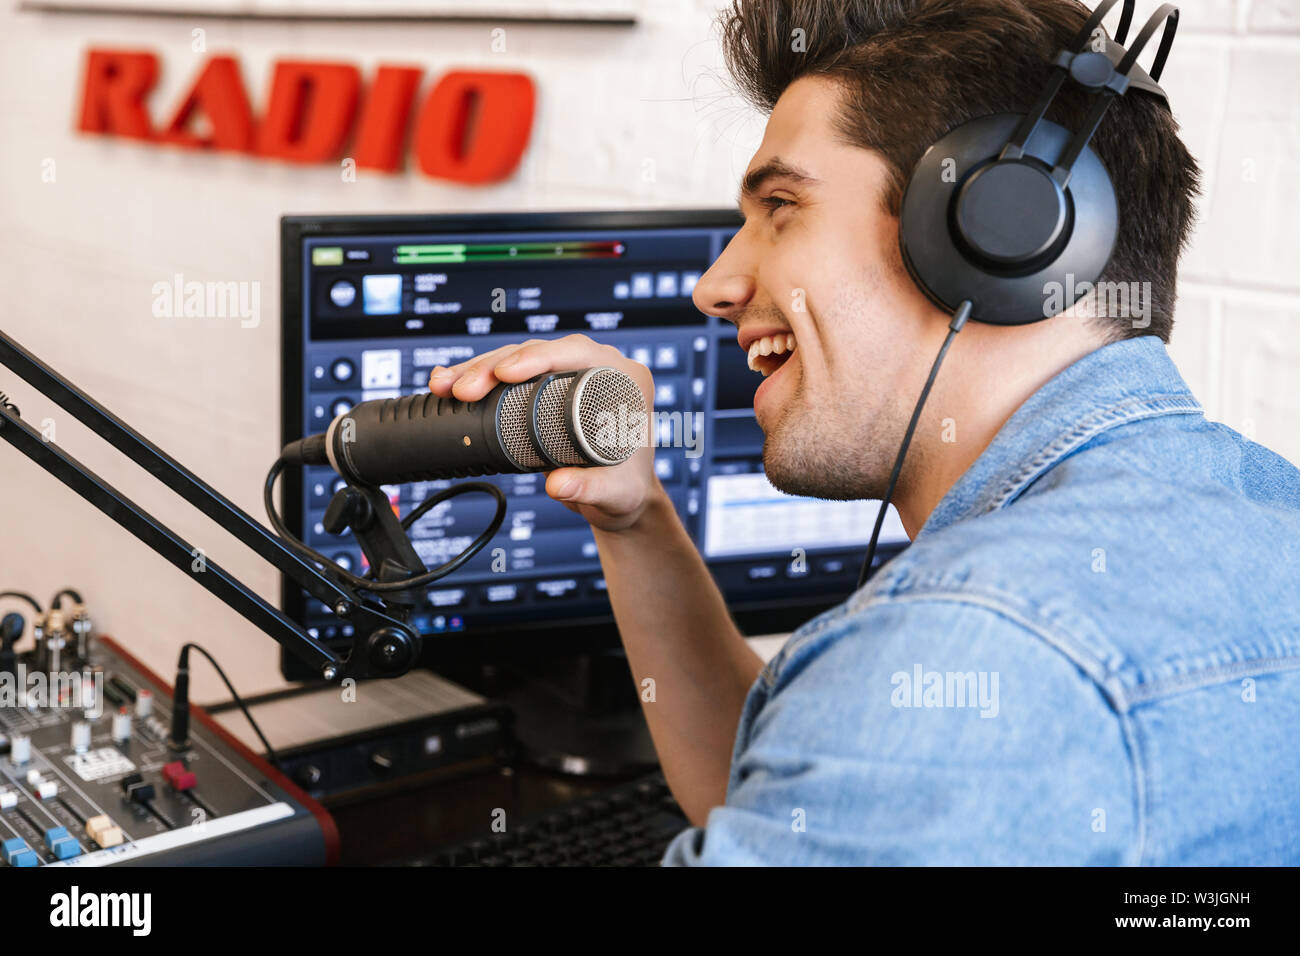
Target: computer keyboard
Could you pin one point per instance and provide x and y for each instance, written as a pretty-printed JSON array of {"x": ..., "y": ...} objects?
[{"x": 628, "y": 825}]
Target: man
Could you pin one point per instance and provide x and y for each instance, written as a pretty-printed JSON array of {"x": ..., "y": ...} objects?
[{"x": 1090, "y": 654}]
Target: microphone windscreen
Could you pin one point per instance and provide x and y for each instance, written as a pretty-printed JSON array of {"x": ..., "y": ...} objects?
[
  {"x": 514, "y": 426},
  {"x": 593, "y": 417},
  {"x": 552, "y": 434},
  {"x": 607, "y": 414}
]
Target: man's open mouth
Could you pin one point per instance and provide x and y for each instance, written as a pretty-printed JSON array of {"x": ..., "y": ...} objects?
[{"x": 769, "y": 353}]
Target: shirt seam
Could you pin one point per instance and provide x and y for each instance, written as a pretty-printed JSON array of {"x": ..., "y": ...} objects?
[
  {"x": 1100, "y": 421},
  {"x": 1137, "y": 758},
  {"x": 1148, "y": 691},
  {"x": 1091, "y": 660},
  {"x": 1115, "y": 692}
]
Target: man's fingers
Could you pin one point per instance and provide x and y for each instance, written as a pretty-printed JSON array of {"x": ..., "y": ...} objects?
[
  {"x": 471, "y": 381},
  {"x": 568, "y": 354},
  {"x": 477, "y": 379},
  {"x": 442, "y": 380}
]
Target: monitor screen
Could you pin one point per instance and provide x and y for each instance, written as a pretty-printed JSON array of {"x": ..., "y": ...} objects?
[{"x": 373, "y": 304}]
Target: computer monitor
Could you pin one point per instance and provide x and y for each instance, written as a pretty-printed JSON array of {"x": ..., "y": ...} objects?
[{"x": 372, "y": 303}]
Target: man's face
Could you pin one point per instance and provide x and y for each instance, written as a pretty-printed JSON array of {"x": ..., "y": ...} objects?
[{"x": 818, "y": 260}]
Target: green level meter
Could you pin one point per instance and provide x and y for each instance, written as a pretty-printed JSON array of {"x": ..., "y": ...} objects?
[{"x": 492, "y": 252}]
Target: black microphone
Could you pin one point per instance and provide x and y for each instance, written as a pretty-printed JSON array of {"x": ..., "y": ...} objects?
[{"x": 596, "y": 416}]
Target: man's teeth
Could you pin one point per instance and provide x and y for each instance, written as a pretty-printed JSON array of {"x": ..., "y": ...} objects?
[{"x": 769, "y": 345}]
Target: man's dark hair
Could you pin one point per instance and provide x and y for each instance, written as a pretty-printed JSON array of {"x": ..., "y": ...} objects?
[{"x": 912, "y": 70}]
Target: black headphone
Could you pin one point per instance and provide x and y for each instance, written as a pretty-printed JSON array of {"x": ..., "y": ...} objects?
[
  {"x": 991, "y": 221},
  {"x": 1006, "y": 205}
]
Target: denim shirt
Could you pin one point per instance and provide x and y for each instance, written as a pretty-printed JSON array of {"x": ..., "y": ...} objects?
[{"x": 1090, "y": 654}]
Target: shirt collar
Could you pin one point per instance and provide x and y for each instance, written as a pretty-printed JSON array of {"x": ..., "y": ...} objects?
[{"x": 1118, "y": 383}]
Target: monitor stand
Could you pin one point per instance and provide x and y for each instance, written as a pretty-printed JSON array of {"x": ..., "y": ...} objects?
[{"x": 575, "y": 714}]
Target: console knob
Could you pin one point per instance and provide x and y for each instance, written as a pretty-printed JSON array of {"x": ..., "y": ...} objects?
[
  {"x": 122, "y": 726},
  {"x": 308, "y": 775},
  {"x": 81, "y": 736}
]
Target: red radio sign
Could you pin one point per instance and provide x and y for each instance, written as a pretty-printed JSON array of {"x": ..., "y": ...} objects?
[{"x": 472, "y": 127}]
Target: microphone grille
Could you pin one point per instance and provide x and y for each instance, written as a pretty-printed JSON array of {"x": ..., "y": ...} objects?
[
  {"x": 593, "y": 417},
  {"x": 516, "y": 408},
  {"x": 551, "y": 433},
  {"x": 609, "y": 415}
]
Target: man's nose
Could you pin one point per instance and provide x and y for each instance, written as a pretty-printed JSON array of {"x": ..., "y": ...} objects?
[{"x": 727, "y": 287}]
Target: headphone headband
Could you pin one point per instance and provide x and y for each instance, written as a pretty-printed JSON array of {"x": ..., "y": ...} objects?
[{"x": 1006, "y": 208}]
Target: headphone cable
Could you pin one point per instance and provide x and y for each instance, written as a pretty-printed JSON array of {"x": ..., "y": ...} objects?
[{"x": 956, "y": 325}]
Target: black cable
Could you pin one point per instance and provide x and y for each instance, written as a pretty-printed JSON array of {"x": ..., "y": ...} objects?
[
  {"x": 183, "y": 667},
  {"x": 368, "y": 583},
  {"x": 957, "y": 324},
  {"x": 24, "y": 596},
  {"x": 57, "y": 601}
]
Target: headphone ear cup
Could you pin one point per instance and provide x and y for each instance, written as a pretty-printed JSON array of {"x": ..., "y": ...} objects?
[{"x": 1003, "y": 233}]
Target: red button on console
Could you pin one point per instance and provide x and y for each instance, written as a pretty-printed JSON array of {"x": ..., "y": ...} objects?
[{"x": 179, "y": 777}]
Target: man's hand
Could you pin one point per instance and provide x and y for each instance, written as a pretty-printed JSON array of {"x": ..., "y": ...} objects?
[
  {"x": 671, "y": 617},
  {"x": 611, "y": 499}
]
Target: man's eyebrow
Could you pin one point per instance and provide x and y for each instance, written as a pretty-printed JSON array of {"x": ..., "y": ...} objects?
[{"x": 775, "y": 168}]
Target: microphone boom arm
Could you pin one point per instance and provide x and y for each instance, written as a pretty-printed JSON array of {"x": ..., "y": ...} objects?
[{"x": 384, "y": 645}]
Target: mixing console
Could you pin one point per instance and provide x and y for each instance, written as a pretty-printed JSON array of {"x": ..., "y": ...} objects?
[{"x": 88, "y": 776}]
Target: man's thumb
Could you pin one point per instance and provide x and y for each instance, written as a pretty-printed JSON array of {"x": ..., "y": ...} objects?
[{"x": 565, "y": 484}]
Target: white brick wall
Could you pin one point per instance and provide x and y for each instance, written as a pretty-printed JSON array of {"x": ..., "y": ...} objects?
[
  {"x": 1233, "y": 81},
  {"x": 627, "y": 118},
  {"x": 79, "y": 256}
]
